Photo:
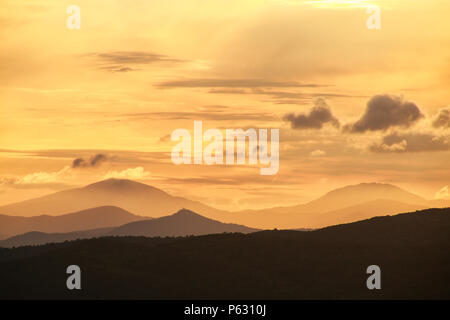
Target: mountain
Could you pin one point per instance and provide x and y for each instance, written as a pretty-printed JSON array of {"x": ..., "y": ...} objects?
[
  {"x": 347, "y": 204},
  {"x": 132, "y": 196},
  {"x": 182, "y": 223},
  {"x": 350, "y": 203},
  {"x": 411, "y": 250},
  {"x": 361, "y": 193},
  {"x": 35, "y": 238},
  {"x": 94, "y": 218}
]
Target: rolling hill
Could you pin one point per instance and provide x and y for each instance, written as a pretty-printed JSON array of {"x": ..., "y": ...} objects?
[
  {"x": 35, "y": 238},
  {"x": 411, "y": 250},
  {"x": 94, "y": 218}
]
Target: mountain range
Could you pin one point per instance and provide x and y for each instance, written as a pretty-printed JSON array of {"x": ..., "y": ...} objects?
[
  {"x": 343, "y": 205},
  {"x": 94, "y": 218},
  {"x": 411, "y": 250},
  {"x": 135, "y": 197},
  {"x": 182, "y": 223}
]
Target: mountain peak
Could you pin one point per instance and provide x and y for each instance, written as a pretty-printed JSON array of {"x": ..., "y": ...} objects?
[
  {"x": 185, "y": 212},
  {"x": 371, "y": 191},
  {"x": 122, "y": 185}
]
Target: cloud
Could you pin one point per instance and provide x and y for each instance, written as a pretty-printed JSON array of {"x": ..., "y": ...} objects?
[
  {"x": 122, "y": 61},
  {"x": 385, "y": 111},
  {"x": 442, "y": 119},
  {"x": 37, "y": 179},
  {"x": 317, "y": 153},
  {"x": 204, "y": 115},
  {"x": 282, "y": 96},
  {"x": 443, "y": 193},
  {"x": 232, "y": 83},
  {"x": 411, "y": 142},
  {"x": 93, "y": 161},
  {"x": 319, "y": 115},
  {"x": 130, "y": 173}
]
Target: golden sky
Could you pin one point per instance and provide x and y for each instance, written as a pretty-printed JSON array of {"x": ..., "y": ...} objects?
[{"x": 137, "y": 70}]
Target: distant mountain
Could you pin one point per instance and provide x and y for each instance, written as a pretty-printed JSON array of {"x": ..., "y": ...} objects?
[
  {"x": 410, "y": 249},
  {"x": 182, "y": 223},
  {"x": 347, "y": 204},
  {"x": 361, "y": 193},
  {"x": 38, "y": 238},
  {"x": 350, "y": 203},
  {"x": 94, "y": 218},
  {"x": 132, "y": 196}
]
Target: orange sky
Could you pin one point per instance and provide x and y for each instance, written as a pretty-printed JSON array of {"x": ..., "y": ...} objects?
[{"x": 137, "y": 70}]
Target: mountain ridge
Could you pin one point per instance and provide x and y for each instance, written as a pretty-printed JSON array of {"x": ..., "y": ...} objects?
[{"x": 92, "y": 218}]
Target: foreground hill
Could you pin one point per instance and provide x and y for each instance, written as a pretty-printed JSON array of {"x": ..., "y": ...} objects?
[
  {"x": 411, "y": 250},
  {"x": 94, "y": 218},
  {"x": 182, "y": 223},
  {"x": 38, "y": 238},
  {"x": 132, "y": 196}
]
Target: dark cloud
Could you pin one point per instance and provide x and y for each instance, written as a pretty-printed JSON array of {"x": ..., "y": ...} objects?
[
  {"x": 123, "y": 61},
  {"x": 442, "y": 119},
  {"x": 385, "y": 111},
  {"x": 319, "y": 115},
  {"x": 93, "y": 161},
  {"x": 232, "y": 83},
  {"x": 411, "y": 142}
]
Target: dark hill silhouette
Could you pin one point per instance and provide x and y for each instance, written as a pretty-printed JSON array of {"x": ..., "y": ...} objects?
[
  {"x": 94, "y": 218},
  {"x": 411, "y": 250},
  {"x": 182, "y": 223},
  {"x": 34, "y": 238},
  {"x": 132, "y": 196}
]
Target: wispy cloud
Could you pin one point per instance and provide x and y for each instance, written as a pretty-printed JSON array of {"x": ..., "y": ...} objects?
[
  {"x": 126, "y": 61},
  {"x": 233, "y": 83},
  {"x": 130, "y": 173}
]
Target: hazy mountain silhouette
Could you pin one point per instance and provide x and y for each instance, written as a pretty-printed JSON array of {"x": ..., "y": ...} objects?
[
  {"x": 347, "y": 204},
  {"x": 411, "y": 250},
  {"x": 38, "y": 238},
  {"x": 132, "y": 196},
  {"x": 350, "y": 203},
  {"x": 182, "y": 223},
  {"x": 94, "y": 218}
]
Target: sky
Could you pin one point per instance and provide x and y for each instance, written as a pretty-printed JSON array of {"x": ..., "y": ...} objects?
[{"x": 352, "y": 104}]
